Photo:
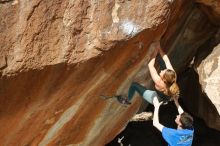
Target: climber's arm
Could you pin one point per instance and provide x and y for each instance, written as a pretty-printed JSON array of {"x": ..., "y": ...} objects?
[
  {"x": 179, "y": 108},
  {"x": 152, "y": 69},
  {"x": 156, "y": 122},
  {"x": 164, "y": 57}
]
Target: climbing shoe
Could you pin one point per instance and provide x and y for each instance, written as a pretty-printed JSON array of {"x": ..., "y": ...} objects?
[{"x": 122, "y": 100}]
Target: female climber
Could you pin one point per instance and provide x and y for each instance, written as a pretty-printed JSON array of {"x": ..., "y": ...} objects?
[{"x": 165, "y": 82}]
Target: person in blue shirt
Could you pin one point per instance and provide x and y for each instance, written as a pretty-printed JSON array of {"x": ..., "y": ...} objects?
[{"x": 183, "y": 135}]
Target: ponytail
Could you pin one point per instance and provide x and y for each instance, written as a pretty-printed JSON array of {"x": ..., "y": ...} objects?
[{"x": 174, "y": 90}]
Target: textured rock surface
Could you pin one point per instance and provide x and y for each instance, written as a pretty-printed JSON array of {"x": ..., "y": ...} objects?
[
  {"x": 39, "y": 33},
  {"x": 209, "y": 75}
]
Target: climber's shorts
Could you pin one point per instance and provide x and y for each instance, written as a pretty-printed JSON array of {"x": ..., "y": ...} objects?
[{"x": 148, "y": 95}]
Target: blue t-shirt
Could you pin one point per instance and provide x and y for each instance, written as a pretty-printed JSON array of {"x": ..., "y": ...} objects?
[{"x": 178, "y": 137}]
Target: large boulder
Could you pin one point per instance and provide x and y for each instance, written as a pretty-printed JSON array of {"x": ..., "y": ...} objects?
[
  {"x": 209, "y": 79},
  {"x": 209, "y": 76}
]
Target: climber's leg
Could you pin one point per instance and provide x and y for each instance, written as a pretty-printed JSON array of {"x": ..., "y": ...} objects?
[
  {"x": 135, "y": 87},
  {"x": 148, "y": 95}
]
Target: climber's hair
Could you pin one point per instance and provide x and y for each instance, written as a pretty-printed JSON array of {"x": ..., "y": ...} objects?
[
  {"x": 186, "y": 121},
  {"x": 169, "y": 78}
]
